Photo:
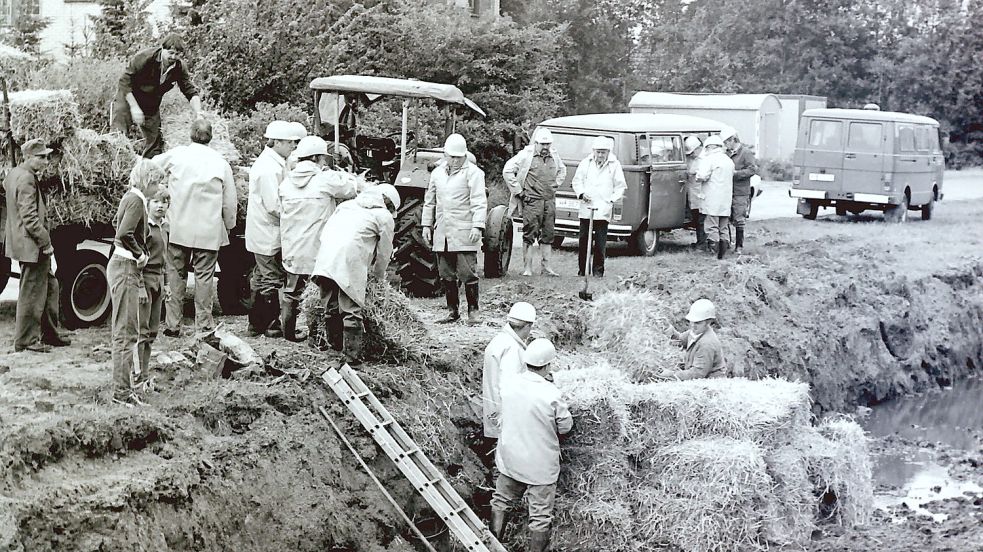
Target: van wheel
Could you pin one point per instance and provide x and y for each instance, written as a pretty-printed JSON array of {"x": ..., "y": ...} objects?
[
  {"x": 841, "y": 210},
  {"x": 928, "y": 209},
  {"x": 813, "y": 210},
  {"x": 85, "y": 298},
  {"x": 897, "y": 213},
  {"x": 645, "y": 242}
]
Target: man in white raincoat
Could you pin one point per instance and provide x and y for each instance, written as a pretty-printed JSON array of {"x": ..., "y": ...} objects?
[
  {"x": 599, "y": 183},
  {"x": 716, "y": 172},
  {"x": 308, "y": 196},
  {"x": 694, "y": 153},
  {"x": 357, "y": 240}
]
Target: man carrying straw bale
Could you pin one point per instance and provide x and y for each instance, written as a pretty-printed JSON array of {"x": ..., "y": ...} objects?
[
  {"x": 503, "y": 359},
  {"x": 716, "y": 172},
  {"x": 453, "y": 221},
  {"x": 29, "y": 243},
  {"x": 151, "y": 74},
  {"x": 125, "y": 274},
  {"x": 599, "y": 183},
  {"x": 704, "y": 355},
  {"x": 263, "y": 227},
  {"x": 534, "y": 415},
  {"x": 203, "y": 211},
  {"x": 153, "y": 277},
  {"x": 356, "y": 240},
  {"x": 308, "y": 197}
]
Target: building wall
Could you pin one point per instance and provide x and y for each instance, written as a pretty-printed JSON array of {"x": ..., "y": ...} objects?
[{"x": 69, "y": 23}]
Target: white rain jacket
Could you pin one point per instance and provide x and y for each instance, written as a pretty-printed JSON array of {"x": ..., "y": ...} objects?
[
  {"x": 604, "y": 184},
  {"x": 517, "y": 168},
  {"x": 716, "y": 172},
  {"x": 263, "y": 207},
  {"x": 534, "y": 416},
  {"x": 694, "y": 188},
  {"x": 503, "y": 360},
  {"x": 358, "y": 237},
  {"x": 453, "y": 205},
  {"x": 308, "y": 197}
]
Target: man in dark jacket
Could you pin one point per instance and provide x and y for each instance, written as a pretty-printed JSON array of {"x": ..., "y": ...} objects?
[
  {"x": 28, "y": 243},
  {"x": 745, "y": 166},
  {"x": 150, "y": 74}
]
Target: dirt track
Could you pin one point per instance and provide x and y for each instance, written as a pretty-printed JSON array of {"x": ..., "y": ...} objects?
[{"x": 861, "y": 309}]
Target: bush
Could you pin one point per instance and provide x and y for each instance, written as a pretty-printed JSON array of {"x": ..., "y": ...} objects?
[
  {"x": 776, "y": 169},
  {"x": 246, "y": 131},
  {"x": 93, "y": 81}
]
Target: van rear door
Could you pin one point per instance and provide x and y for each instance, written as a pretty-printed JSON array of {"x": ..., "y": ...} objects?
[
  {"x": 822, "y": 160},
  {"x": 864, "y": 157},
  {"x": 663, "y": 153}
]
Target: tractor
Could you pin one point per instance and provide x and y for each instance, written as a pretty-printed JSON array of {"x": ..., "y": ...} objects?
[{"x": 340, "y": 107}]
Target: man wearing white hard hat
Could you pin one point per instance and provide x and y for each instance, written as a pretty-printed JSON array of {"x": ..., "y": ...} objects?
[
  {"x": 704, "y": 355},
  {"x": 599, "y": 183},
  {"x": 534, "y": 415},
  {"x": 263, "y": 226},
  {"x": 503, "y": 360},
  {"x": 453, "y": 222},
  {"x": 745, "y": 167},
  {"x": 308, "y": 196},
  {"x": 356, "y": 243},
  {"x": 694, "y": 153},
  {"x": 716, "y": 173},
  {"x": 533, "y": 177}
]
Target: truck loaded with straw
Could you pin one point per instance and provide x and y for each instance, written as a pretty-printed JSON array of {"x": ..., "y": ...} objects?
[{"x": 88, "y": 174}]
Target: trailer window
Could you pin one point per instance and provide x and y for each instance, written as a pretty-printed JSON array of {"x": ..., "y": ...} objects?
[
  {"x": 826, "y": 134},
  {"x": 864, "y": 137},
  {"x": 906, "y": 138}
]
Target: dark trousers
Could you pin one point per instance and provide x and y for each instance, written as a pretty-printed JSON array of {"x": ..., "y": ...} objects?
[
  {"x": 458, "y": 265},
  {"x": 124, "y": 287},
  {"x": 149, "y": 317},
  {"x": 203, "y": 261},
  {"x": 337, "y": 303},
  {"x": 600, "y": 246},
  {"x": 36, "y": 317},
  {"x": 293, "y": 288},
  {"x": 538, "y": 221},
  {"x": 268, "y": 276},
  {"x": 153, "y": 141}
]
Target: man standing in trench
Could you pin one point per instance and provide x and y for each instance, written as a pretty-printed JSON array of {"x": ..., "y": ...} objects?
[{"x": 704, "y": 355}]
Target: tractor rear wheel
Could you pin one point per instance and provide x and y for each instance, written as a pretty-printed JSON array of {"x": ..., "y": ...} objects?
[
  {"x": 498, "y": 242},
  {"x": 415, "y": 262}
]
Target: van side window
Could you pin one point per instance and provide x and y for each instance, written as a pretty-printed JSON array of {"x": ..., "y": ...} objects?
[
  {"x": 644, "y": 151},
  {"x": 826, "y": 134},
  {"x": 662, "y": 149},
  {"x": 906, "y": 138},
  {"x": 864, "y": 137},
  {"x": 923, "y": 138}
]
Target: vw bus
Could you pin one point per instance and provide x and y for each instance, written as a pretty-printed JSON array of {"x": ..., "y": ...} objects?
[
  {"x": 865, "y": 159},
  {"x": 650, "y": 149}
]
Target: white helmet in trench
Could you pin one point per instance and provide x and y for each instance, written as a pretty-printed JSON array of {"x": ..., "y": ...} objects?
[
  {"x": 702, "y": 309},
  {"x": 539, "y": 353}
]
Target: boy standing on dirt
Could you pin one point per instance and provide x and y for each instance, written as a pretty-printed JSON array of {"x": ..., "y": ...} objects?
[
  {"x": 704, "y": 355},
  {"x": 153, "y": 279}
]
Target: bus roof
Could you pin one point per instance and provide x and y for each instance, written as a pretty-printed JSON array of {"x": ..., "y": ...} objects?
[
  {"x": 869, "y": 115},
  {"x": 634, "y": 122}
]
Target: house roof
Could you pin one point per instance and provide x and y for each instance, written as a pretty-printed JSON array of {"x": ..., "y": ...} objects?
[
  {"x": 869, "y": 115},
  {"x": 742, "y": 102},
  {"x": 386, "y": 86},
  {"x": 634, "y": 122}
]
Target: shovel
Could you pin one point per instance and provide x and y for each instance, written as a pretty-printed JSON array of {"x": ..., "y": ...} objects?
[{"x": 588, "y": 269}]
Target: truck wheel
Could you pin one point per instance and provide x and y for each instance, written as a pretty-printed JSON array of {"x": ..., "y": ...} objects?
[
  {"x": 498, "y": 242},
  {"x": 897, "y": 213},
  {"x": 841, "y": 210},
  {"x": 4, "y": 272},
  {"x": 415, "y": 262},
  {"x": 645, "y": 242},
  {"x": 927, "y": 210},
  {"x": 813, "y": 210},
  {"x": 85, "y": 299}
]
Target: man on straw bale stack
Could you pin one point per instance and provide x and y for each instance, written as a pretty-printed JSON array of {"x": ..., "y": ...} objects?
[
  {"x": 125, "y": 274},
  {"x": 745, "y": 166},
  {"x": 704, "y": 355},
  {"x": 150, "y": 74},
  {"x": 203, "y": 211},
  {"x": 599, "y": 183},
  {"x": 263, "y": 226},
  {"x": 533, "y": 177},
  {"x": 503, "y": 359},
  {"x": 454, "y": 211},
  {"x": 153, "y": 277},
  {"x": 357, "y": 240},
  {"x": 694, "y": 153},
  {"x": 534, "y": 415},
  {"x": 308, "y": 197},
  {"x": 28, "y": 242},
  {"x": 716, "y": 172}
]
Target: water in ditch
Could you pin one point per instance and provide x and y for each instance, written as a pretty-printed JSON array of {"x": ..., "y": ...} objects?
[{"x": 914, "y": 476}]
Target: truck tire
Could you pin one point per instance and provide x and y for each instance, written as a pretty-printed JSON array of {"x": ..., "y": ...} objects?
[
  {"x": 4, "y": 271},
  {"x": 85, "y": 299},
  {"x": 927, "y": 210},
  {"x": 416, "y": 264},
  {"x": 498, "y": 239}
]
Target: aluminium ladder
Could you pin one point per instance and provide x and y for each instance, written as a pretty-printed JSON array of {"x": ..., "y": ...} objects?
[{"x": 404, "y": 452}]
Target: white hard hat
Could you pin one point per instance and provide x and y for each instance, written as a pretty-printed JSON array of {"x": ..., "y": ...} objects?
[
  {"x": 523, "y": 312},
  {"x": 691, "y": 143},
  {"x": 543, "y": 136},
  {"x": 311, "y": 145},
  {"x": 389, "y": 191},
  {"x": 279, "y": 130},
  {"x": 727, "y": 133},
  {"x": 299, "y": 130},
  {"x": 456, "y": 146},
  {"x": 714, "y": 141},
  {"x": 539, "y": 353},
  {"x": 602, "y": 143},
  {"x": 701, "y": 310}
]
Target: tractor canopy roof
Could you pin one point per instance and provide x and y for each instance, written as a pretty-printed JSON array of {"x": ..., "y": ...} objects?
[{"x": 376, "y": 87}]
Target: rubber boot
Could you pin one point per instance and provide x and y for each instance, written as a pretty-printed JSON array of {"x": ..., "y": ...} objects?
[
  {"x": 288, "y": 318},
  {"x": 143, "y": 354},
  {"x": 739, "y": 244},
  {"x": 354, "y": 342},
  {"x": 721, "y": 248},
  {"x": 336, "y": 329},
  {"x": 712, "y": 246},
  {"x": 547, "y": 256},
  {"x": 257, "y": 313},
  {"x": 701, "y": 233},
  {"x": 499, "y": 519},
  {"x": 452, "y": 293},
  {"x": 272, "y": 319},
  {"x": 471, "y": 292},
  {"x": 539, "y": 541},
  {"x": 526, "y": 259}
]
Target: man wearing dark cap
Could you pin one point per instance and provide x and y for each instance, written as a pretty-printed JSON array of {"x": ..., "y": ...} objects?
[
  {"x": 28, "y": 243},
  {"x": 150, "y": 74}
]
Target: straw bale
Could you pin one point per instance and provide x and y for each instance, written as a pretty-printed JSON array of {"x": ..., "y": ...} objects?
[
  {"x": 843, "y": 468},
  {"x": 51, "y": 115},
  {"x": 790, "y": 508},
  {"x": 597, "y": 400},
  {"x": 590, "y": 526},
  {"x": 593, "y": 473},
  {"x": 176, "y": 128}
]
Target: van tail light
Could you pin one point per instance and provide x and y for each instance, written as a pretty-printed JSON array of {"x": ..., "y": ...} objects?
[
  {"x": 796, "y": 175},
  {"x": 888, "y": 180},
  {"x": 619, "y": 207}
]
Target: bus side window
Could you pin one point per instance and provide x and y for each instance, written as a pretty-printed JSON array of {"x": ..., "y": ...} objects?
[
  {"x": 923, "y": 138},
  {"x": 906, "y": 138}
]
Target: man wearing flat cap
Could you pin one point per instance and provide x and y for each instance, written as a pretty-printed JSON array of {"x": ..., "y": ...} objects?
[
  {"x": 28, "y": 243},
  {"x": 151, "y": 74}
]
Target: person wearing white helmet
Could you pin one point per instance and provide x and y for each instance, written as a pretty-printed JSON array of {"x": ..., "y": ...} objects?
[
  {"x": 745, "y": 166},
  {"x": 533, "y": 176},
  {"x": 599, "y": 183},
  {"x": 694, "y": 153},
  {"x": 704, "y": 355},
  {"x": 716, "y": 173},
  {"x": 308, "y": 196},
  {"x": 355, "y": 243},
  {"x": 453, "y": 222},
  {"x": 503, "y": 359},
  {"x": 534, "y": 415},
  {"x": 263, "y": 227}
]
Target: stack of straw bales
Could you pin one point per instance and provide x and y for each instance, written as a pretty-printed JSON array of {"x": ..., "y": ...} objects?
[{"x": 723, "y": 464}]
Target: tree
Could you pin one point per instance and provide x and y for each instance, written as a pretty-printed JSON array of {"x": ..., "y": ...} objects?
[{"x": 26, "y": 28}]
